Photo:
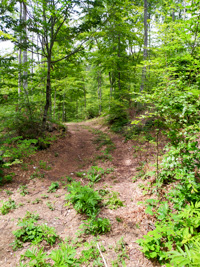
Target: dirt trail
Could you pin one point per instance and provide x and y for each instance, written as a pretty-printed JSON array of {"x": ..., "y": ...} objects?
[{"x": 74, "y": 152}]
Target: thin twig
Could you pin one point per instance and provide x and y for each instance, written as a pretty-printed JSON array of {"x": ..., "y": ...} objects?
[{"x": 102, "y": 255}]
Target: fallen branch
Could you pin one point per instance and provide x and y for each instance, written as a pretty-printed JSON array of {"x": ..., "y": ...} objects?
[{"x": 102, "y": 255}]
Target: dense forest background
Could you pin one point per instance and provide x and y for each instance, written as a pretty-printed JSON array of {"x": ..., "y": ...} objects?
[{"x": 134, "y": 62}]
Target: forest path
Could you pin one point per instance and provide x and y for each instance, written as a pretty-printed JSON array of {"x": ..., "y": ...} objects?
[{"x": 76, "y": 151}]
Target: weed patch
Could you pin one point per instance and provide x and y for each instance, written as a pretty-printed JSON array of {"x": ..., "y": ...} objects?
[
  {"x": 112, "y": 201},
  {"x": 7, "y": 206},
  {"x": 30, "y": 231}
]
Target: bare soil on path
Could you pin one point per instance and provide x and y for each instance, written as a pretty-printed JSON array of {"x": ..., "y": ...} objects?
[{"x": 74, "y": 152}]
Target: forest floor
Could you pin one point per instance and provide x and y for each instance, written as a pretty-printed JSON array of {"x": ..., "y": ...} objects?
[{"x": 76, "y": 151}]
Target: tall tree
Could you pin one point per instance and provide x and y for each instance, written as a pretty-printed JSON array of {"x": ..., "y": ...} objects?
[{"x": 145, "y": 50}]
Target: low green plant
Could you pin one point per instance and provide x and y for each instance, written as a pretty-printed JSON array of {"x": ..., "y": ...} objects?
[
  {"x": 43, "y": 165},
  {"x": 24, "y": 166},
  {"x": 172, "y": 230},
  {"x": 118, "y": 219},
  {"x": 96, "y": 226},
  {"x": 103, "y": 192},
  {"x": 112, "y": 201},
  {"x": 50, "y": 205},
  {"x": 7, "y": 206},
  {"x": 36, "y": 201},
  {"x": 4, "y": 179},
  {"x": 102, "y": 139},
  {"x": 69, "y": 179},
  {"x": 95, "y": 173},
  {"x": 23, "y": 190},
  {"x": 122, "y": 254},
  {"x": 189, "y": 255},
  {"x": 84, "y": 199},
  {"x": 8, "y": 192},
  {"x": 80, "y": 174},
  {"x": 105, "y": 156},
  {"x": 30, "y": 231},
  {"x": 18, "y": 148},
  {"x": 36, "y": 257},
  {"x": 65, "y": 255},
  {"x": 44, "y": 196},
  {"x": 53, "y": 187}
]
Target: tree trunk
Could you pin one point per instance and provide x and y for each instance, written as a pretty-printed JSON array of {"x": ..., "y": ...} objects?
[
  {"x": 111, "y": 86},
  {"x": 48, "y": 92},
  {"x": 54, "y": 106},
  {"x": 119, "y": 71},
  {"x": 99, "y": 92},
  {"x": 145, "y": 53},
  {"x": 25, "y": 73},
  {"x": 20, "y": 56}
]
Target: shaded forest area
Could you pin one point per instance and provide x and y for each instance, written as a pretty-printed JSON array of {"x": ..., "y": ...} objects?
[{"x": 133, "y": 63}]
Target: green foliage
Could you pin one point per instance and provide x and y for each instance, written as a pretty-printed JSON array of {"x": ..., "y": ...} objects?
[
  {"x": 53, "y": 187},
  {"x": 8, "y": 192},
  {"x": 103, "y": 140},
  {"x": 113, "y": 202},
  {"x": 65, "y": 255},
  {"x": 26, "y": 126},
  {"x": 43, "y": 165},
  {"x": 6, "y": 178},
  {"x": 50, "y": 205},
  {"x": 69, "y": 179},
  {"x": 23, "y": 190},
  {"x": 95, "y": 173},
  {"x": 172, "y": 230},
  {"x": 7, "y": 206},
  {"x": 29, "y": 231},
  {"x": 122, "y": 254},
  {"x": 96, "y": 226},
  {"x": 117, "y": 118},
  {"x": 37, "y": 257},
  {"x": 16, "y": 149},
  {"x": 188, "y": 256},
  {"x": 80, "y": 174},
  {"x": 84, "y": 199}
]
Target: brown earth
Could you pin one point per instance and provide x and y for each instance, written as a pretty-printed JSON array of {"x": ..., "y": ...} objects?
[{"x": 74, "y": 152}]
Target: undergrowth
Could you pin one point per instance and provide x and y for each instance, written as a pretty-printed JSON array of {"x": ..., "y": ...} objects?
[{"x": 176, "y": 208}]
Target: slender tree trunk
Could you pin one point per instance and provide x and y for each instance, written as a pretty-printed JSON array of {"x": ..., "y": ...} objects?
[
  {"x": 85, "y": 100},
  {"x": 54, "y": 106},
  {"x": 48, "y": 91},
  {"x": 25, "y": 58},
  {"x": 145, "y": 52},
  {"x": 99, "y": 92},
  {"x": 63, "y": 109},
  {"x": 20, "y": 56},
  {"x": 111, "y": 87},
  {"x": 119, "y": 71}
]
